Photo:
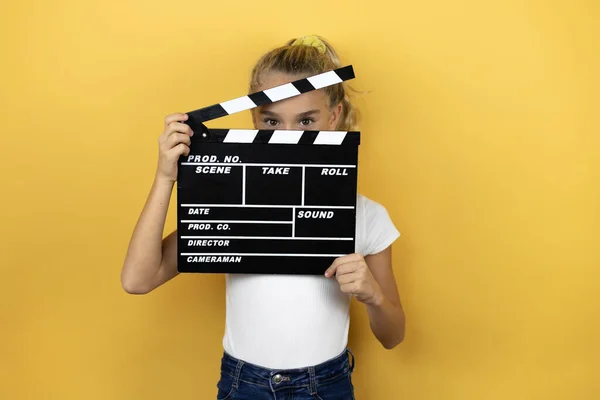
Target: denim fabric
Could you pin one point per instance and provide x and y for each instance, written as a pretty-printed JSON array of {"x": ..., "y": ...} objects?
[{"x": 327, "y": 381}]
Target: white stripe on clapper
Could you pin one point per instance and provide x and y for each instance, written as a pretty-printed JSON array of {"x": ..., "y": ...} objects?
[
  {"x": 282, "y": 92},
  {"x": 321, "y": 80},
  {"x": 331, "y": 137},
  {"x": 240, "y": 136},
  {"x": 237, "y": 105},
  {"x": 285, "y": 137}
]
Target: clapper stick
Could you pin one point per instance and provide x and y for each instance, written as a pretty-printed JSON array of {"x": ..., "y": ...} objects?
[
  {"x": 267, "y": 201},
  {"x": 198, "y": 117}
]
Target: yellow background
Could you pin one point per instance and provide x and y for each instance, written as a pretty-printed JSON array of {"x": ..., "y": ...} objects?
[{"x": 480, "y": 135}]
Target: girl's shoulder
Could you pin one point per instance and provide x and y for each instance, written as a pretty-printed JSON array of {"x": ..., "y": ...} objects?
[
  {"x": 368, "y": 205},
  {"x": 369, "y": 209},
  {"x": 375, "y": 229}
]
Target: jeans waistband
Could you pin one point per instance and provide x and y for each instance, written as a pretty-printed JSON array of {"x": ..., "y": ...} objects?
[{"x": 284, "y": 378}]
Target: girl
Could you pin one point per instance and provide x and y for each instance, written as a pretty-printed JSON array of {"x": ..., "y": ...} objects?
[{"x": 285, "y": 336}]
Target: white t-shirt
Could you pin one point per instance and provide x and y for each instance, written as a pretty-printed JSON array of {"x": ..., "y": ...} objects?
[{"x": 294, "y": 321}]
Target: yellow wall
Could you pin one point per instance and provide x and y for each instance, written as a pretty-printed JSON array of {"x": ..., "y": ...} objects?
[{"x": 482, "y": 121}]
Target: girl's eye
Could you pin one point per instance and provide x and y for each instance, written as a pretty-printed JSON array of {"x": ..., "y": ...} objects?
[
  {"x": 306, "y": 121},
  {"x": 270, "y": 122}
]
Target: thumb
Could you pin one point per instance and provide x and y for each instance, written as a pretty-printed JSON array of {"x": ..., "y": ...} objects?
[{"x": 333, "y": 268}]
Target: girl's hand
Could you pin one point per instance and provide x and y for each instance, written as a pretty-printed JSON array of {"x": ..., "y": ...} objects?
[
  {"x": 354, "y": 277},
  {"x": 174, "y": 142}
]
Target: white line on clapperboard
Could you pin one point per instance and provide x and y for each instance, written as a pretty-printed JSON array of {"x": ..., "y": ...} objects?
[
  {"x": 265, "y": 206},
  {"x": 244, "y": 185},
  {"x": 269, "y": 165},
  {"x": 191, "y": 221},
  {"x": 303, "y": 190},
  {"x": 266, "y": 237},
  {"x": 263, "y": 254}
]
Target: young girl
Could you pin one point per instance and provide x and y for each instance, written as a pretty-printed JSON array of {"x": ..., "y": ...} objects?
[{"x": 285, "y": 335}]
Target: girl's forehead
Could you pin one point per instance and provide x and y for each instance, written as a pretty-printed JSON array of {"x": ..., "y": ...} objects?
[{"x": 303, "y": 103}]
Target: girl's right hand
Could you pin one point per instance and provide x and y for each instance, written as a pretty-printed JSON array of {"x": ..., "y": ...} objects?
[{"x": 174, "y": 142}]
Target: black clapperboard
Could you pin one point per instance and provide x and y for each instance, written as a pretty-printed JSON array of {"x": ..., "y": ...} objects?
[{"x": 267, "y": 201}]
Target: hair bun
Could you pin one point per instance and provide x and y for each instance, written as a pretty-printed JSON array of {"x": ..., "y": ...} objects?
[{"x": 311, "y": 41}]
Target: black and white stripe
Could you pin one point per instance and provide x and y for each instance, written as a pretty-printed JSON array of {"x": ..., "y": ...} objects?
[
  {"x": 271, "y": 95},
  {"x": 283, "y": 137}
]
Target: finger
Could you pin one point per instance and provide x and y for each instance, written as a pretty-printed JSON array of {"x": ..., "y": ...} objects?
[
  {"x": 333, "y": 267},
  {"x": 341, "y": 261},
  {"x": 347, "y": 268},
  {"x": 179, "y": 150},
  {"x": 177, "y": 138},
  {"x": 175, "y": 117},
  {"x": 178, "y": 127},
  {"x": 347, "y": 278},
  {"x": 175, "y": 127},
  {"x": 337, "y": 263},
  {"x": 351, "y": 288}
]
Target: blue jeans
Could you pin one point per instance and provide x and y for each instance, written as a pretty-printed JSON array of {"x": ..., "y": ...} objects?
[{"x": 327, "y": 381}]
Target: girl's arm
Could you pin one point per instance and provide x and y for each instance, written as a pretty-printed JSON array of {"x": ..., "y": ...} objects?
[
  {"x": 371, "y": 281},
  {"x": 386, "y": 315},
  {"x": 151, "y": 260}
]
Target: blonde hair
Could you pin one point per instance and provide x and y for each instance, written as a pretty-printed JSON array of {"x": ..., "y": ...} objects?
[{"x": 304, "y": 61}]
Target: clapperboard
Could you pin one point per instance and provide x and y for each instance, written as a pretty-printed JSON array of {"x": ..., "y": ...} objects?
[{"x": 267, "y": 201}]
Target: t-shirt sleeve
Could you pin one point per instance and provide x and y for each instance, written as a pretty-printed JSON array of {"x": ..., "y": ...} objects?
[{"x": 380, "y": 231}]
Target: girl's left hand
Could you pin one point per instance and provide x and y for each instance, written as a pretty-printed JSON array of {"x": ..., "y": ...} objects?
[{"x": 354, "y": 277}]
